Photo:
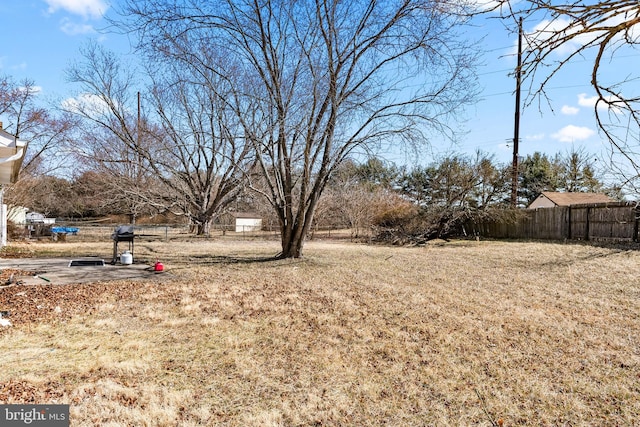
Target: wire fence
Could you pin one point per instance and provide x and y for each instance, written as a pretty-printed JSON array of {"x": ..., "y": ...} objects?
[{"x": 79, "y": 231}]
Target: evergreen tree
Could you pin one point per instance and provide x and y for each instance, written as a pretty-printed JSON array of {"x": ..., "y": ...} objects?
[
  {"x": 538, "y": 173},
  {"x": 578, "y": 174}
]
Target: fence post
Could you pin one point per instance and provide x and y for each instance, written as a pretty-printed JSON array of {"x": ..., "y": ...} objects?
[
  {"x": 586, "y": 226},
  {"x": 636, "y": 217},
  {"x": 569, "y": 223}
]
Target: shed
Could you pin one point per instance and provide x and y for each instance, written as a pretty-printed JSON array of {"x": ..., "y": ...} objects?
[
  {"x": 248, "y": 221},
  {"x": 38, "y": 218},
  {"x": 551, "y": 199}
]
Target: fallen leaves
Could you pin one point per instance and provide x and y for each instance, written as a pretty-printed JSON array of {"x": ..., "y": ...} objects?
[
  {"x": 19, "y": 391},
  {"x": 7, "y": 275},
  {"x": 25, "y": 304}
]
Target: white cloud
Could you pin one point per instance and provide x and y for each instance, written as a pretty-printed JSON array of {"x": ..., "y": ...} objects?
[
  {"x": 88, "y": 9},
  {"x": 547, "y": 29},
  {"x": 496, "y": 5},
  {"x": 72, "y": 28},
  {"x": 585, "y": 101},
  {"x": 571, "y": 32},
  {"x": 32, "y": 90},
  {"x": 590, "y": 101},
  {"x": 569, "y": 111},
  {"x": 535, "y": 137},
  {"x": 553, "y": 29},
  {"x": 86, "y": 102},
  {"x": 542, "y": 32},
  {"x": 573, "y": 133}
]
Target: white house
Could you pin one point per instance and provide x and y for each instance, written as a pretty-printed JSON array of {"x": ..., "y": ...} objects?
[
  {"x": 11, "y": 155},
  {"x": 12, "y": 152}
]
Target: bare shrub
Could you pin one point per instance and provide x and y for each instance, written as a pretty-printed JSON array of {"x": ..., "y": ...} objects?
[{"x": 436, "y": 222}]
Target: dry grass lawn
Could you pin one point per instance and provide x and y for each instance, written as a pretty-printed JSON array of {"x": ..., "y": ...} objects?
[{"x": 462, "y": 333}]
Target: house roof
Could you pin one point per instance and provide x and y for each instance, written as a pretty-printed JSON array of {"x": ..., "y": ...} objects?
[
  {"x": 11, "y": 155},
  {"x": 567, "y": 199}
]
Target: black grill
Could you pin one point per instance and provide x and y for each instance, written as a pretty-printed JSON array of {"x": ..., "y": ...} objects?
[{"x": 122, "y": 233}]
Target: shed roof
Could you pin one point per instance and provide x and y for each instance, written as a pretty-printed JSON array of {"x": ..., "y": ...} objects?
[
  {"x": 568, "y": 199},
  {"x": 11, "y": 155}
]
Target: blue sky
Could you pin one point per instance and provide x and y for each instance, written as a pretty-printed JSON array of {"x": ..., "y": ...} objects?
[
  {"x": 564, "y": 120},
  {"x": 41, "y": 38}
]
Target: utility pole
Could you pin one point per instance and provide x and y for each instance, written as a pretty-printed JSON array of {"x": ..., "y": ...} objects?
[
  {"x": 516, "y": 127},
  {"x": 137, "y": 168},
  {"x": 138, "y": 123}
]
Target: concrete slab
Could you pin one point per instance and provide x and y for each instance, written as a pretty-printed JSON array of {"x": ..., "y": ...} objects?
[{"x": 58, "y": 272}]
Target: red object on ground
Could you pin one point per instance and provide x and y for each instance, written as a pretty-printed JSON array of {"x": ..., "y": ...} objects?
[{"x": 158, "y": 266}]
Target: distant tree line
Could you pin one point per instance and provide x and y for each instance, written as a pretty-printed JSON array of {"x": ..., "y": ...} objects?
[{"x": 372, "y": 198}]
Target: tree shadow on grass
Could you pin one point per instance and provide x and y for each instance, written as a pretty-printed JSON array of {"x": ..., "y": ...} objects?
[
  {"x": 614, "y": 249},
  {"x": 205, "y": 260}
]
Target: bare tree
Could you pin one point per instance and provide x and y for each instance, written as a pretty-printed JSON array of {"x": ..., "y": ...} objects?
[
  {"x": 109, "y": 139},
  {"x": 316, "y": 81},
  {"x": 180, "y": 155},
  {"x": 359, "y": 194},
  {"x": 201, "y": 138},
  {"x": 47, "y": 133},
  {"x": 604, "y": 32},
  {"x": 26, "y": 116},
  {"x": 356, "y": 203}
]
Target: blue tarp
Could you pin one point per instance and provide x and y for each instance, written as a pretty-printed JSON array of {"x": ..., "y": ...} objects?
[{"x": 65, "y": 230}]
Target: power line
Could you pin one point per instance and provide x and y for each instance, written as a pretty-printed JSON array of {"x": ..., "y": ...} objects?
[
  {"x": 549, "y": 88},
  {"x": 504, "y": 70}
]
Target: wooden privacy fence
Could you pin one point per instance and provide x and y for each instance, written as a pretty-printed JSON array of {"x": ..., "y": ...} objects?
[{"x": 605, "y": 221}]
